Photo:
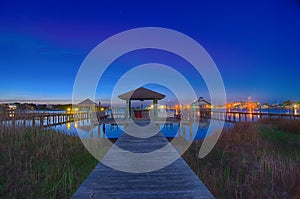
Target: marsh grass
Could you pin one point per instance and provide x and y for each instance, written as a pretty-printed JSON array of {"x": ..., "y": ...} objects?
[
  {"x": 38, "y": 163},
  {"x": 251, "y": 160},
  {"x": 285, "y": 125}
]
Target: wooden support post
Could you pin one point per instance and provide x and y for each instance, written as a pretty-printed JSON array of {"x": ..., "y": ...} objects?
[
  {"x": 128, "y": 109},
  {"x": 155, "y": 108},
  {"x": 33, "y": 121},
  {"x": 41, "y": 121}
]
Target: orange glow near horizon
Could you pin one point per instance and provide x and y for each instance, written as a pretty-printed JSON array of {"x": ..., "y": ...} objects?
[
  {"x": 228, "y": 107},
  {"x": 176, "y": 110}
]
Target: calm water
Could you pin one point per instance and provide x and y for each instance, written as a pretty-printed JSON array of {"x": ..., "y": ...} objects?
[{"x": 87, "y": 130}]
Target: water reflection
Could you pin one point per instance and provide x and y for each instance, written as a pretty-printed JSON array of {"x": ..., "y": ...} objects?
[
  {"x": 69, "y": 125},
  {"x": 189, "y": 130}
]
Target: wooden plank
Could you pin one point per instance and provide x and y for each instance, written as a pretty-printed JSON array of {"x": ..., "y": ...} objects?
[{"x": 174, "y": 181}]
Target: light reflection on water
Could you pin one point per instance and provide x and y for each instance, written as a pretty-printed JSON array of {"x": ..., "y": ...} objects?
[{"x": 85, "y": 129}]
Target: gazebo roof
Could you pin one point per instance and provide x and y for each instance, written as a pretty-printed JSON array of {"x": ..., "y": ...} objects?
[
  {"x": 87, "y": 102},
  {"x": 142, "y": 94},
  {"x": 201, "y": 101}
]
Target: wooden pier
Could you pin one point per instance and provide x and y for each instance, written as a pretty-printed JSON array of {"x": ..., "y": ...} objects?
[
  {"x": 238, "y": 116},
  {"x": 42, "y": 119},
  {"x": 176, "y": 180}
]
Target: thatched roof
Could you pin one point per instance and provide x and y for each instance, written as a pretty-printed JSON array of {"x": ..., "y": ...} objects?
[
  {"x": 142, "y": 94},
  {"x": 87, "y": 102}
]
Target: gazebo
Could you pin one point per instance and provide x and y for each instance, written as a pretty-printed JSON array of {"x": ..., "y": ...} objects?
[
  {"x": 87, "y": 105},
  {"x": 202, "y": 103},
  {"x": 141, "y": 94}
]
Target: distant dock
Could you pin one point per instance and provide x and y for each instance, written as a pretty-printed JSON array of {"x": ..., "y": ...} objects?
[
  {"x": 238, "y": 116},
  {"x": 43, "y": 119}
]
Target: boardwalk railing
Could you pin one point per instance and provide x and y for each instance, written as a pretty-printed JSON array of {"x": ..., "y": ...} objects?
[
  {"x": 42, "y": 119},
  {"x": 239, "y": 116}
]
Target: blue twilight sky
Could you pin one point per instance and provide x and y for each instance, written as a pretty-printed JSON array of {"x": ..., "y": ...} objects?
[{"x": 255, "y": 44}]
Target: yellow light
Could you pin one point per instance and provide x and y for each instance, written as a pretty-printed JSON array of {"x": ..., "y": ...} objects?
[
  {"x": 69, "y": 109},
  {"x": 102, "y": 109},
  {"x": 295, "y": 106},
  {"x": 69, "y": 125}
]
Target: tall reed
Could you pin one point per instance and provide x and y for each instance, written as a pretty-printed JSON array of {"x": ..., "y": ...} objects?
[
  {"x": 250, "y": 160},
  {"x": 38, "y": 163}
]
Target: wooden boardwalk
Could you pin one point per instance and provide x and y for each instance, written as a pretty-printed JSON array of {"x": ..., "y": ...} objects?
[
  {"x": 43, "y": 119},
  {"x": 176, "y": 180},
  {"x": 238, "y": 116}
]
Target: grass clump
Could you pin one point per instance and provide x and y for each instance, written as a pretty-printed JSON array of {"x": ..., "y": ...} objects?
[
  {"x": 39, "y": 163},
  {"x": 251, "y": 160}
]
